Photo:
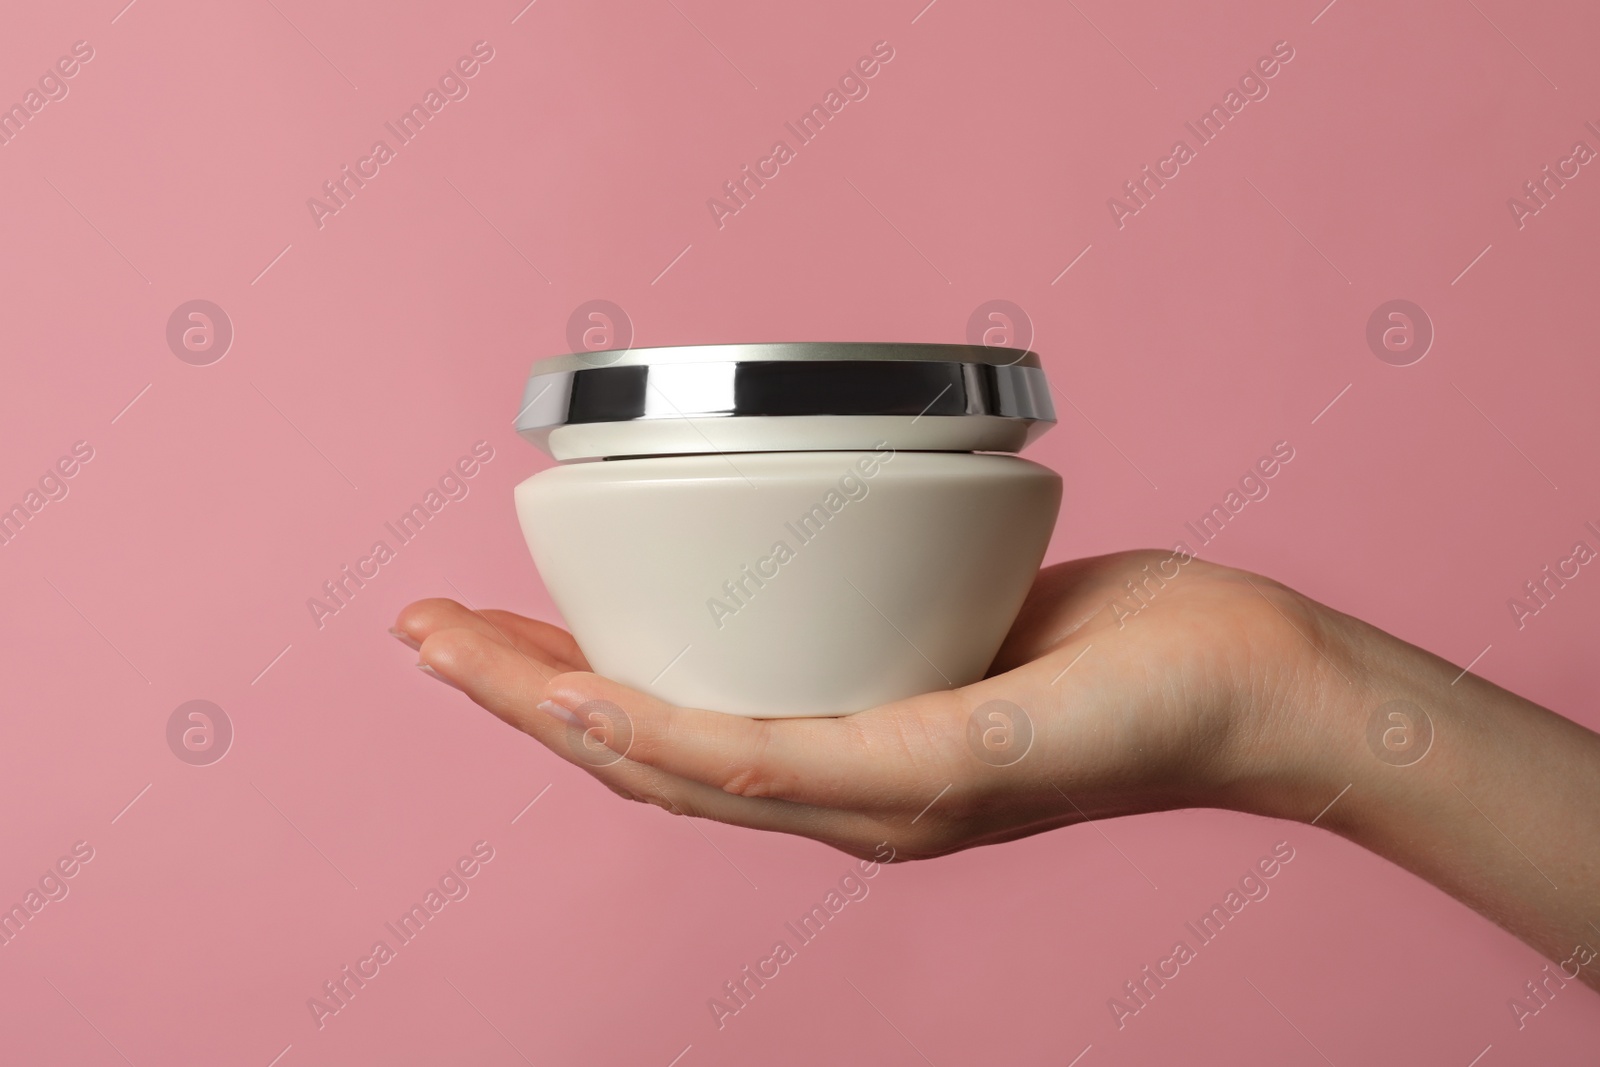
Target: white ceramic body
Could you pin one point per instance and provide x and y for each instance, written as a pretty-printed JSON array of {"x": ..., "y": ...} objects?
[{"x": 782, "y": 584}]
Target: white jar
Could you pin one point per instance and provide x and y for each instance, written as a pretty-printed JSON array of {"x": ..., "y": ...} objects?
[{"x": 784, "y": 530}]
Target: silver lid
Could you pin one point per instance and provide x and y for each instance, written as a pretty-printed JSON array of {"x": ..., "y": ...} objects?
[{"x": 785, "y": 397}]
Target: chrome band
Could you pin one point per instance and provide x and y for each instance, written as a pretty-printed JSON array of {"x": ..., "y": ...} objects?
[
  {"x": 752, "y": 398},
  {"x": 777, "y": 389}
]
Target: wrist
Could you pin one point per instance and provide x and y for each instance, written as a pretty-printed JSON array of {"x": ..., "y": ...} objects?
[
  {"x": 1303, "y": 731},
  {"x": 1469, "y": 787}
]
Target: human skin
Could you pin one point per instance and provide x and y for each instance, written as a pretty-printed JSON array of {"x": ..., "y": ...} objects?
[{"x": 1227, "y": 690}]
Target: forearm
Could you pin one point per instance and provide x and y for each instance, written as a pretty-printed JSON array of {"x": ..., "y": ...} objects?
[{"x": 1500, "y": 807}]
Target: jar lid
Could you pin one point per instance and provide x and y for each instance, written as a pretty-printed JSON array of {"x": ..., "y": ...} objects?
[{"x": 785, "y": 397}]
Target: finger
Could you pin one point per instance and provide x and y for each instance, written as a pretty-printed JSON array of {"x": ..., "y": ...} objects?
[
  {"x": 562, "y": 646},
  {"x": 500, "y": 680},
  {"x": 540, "y": 640},
  {"x": 879, "y": 760}
]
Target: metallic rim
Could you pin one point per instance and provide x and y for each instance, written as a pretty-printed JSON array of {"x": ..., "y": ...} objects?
[{"x": 778, "y": 388}]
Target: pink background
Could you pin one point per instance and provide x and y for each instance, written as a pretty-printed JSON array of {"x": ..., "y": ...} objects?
[{"x": 372, "y": 352}]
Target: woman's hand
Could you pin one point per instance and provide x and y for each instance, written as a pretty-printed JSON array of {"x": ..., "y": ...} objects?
[{"x": 1135, "y": 682}]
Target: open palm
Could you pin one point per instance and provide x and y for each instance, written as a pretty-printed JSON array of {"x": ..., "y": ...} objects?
[{"x": 1105, "y": 699}]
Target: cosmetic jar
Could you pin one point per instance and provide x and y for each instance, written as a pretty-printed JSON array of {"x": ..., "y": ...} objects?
[{"x": 777, "y": 530}]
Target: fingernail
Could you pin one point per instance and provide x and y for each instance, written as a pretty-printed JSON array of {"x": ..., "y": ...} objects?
[
  {"x": 405, "y": 639},
  {"x": 436, "y": 676},
  {"x": 562, "y": 712}
]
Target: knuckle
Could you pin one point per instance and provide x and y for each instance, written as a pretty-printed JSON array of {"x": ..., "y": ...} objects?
[
  {"x": 756, "y": 774},
  {"x": 748, "y": 782}
]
